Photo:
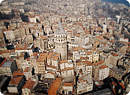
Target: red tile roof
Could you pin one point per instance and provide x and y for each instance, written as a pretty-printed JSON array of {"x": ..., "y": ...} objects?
[
  {"x": 54, "y": 87},
  {"x": 18, "y": 73},
  {"x": 68, "y": 84},
  {"x": 29, "y": 84},
  {"x": 99, "y": 63},
  {"x": 42, "y": 57},
  {"x": 103, "y": 67},
  {"x": 15, "y": 80}
]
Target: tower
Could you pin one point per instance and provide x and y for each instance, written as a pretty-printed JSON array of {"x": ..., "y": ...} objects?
[{"x": 60, "y": 40}]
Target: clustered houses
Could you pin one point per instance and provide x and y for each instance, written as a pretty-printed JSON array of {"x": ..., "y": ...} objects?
[
  {"x": 66, "y": 69},
  {"x": 73, "y": 52},
  {"x": 101, "y": 71},
  {"x": 52, "y": 63},
  {"x": 84, "y": 72}
]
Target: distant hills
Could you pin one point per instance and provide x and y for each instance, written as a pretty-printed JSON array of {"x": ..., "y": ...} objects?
[
  {"x": 95, "y": 8},
  {"x": 125, "y": 2}
]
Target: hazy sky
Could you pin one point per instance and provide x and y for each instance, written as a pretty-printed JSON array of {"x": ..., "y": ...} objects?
[{"x": 3, "y": 0}]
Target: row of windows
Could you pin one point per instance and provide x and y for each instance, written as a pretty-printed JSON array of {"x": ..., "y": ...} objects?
[
  {"x": 60, "y": 36},
  {"x": 60, "y": 40}
]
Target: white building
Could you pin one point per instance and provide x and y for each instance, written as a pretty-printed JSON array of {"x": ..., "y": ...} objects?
[
  {"x": 103, "y": 72},
  {"x": 67, "y": 88},
  {"x": 85, "y": 84},
  {"x": 93, "y": 56},
  {"x": 28, "y": 72},
  {"x": 84, "y": 71},
  {"x": 66, "y": 68},
  {"x": 78, "y": 52}
]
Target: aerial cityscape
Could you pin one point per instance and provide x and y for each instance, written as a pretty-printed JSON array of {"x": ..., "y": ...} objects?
[{"x": 65, "y": 47}]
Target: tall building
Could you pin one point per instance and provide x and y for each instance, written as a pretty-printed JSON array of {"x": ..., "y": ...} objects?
[{"x": 60, "y": 40}]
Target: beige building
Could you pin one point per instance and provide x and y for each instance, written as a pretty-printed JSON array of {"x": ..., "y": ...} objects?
[
  {"x": 42, "y": 43},
  {"x": 117, "y": 72},
  {"x": 40, "y": 63},
  {"x": 67, "y": 88},
  {"x": 84, "y": 71},
  {"x": 53, "y": 59},
  {"x": 66, "y": 68},
  {"x": 93, "y": 56},
  {"x": 100, "y": 71},
  {"x": 51, "y": 44},
  {"x": 2, "y": 41},
  {"x": 29, "y": 39},
  {"x": 78, "y": 52},
  {"x": 84, "y": 85},
  {"x": 112, "y": 59},
  {"x": 103, "y": 72},
  {"x": 50, "y": 75},
  {"x": 9, "y": 34},
  {"x": 19, "y": 33},
  {"x": 28, "y": 72}
]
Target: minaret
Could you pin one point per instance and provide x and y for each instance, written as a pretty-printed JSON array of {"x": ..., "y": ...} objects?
[{"x": 60, "y": 40}]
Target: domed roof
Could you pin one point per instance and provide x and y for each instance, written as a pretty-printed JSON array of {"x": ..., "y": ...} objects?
[{"x": 60, "y": 29}]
